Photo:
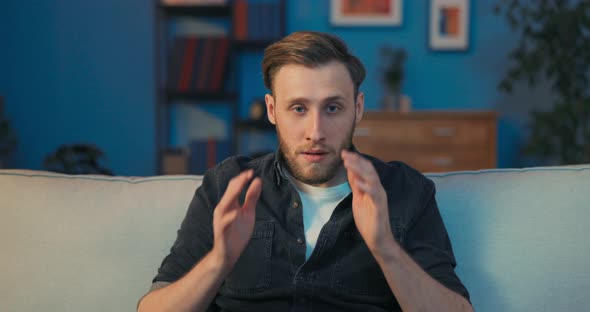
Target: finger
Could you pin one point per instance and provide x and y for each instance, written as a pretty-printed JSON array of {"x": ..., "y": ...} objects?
[
  {"x": 358, "y": 177},
  {"x": 355, "y": 181},
  {"x": 364, "y": 187},
  {"x": 252, "y": 195},
  {"x": 228, "y": 218},
  {"x": 234, "y": 188},
  {"x": 361, "y": 166},
  {"x": 353, "y": 167}
]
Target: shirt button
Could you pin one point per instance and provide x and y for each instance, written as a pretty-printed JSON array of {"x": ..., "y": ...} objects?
[
  {"x": 295, "y": 205},
  {"x": 300, "y": 241}
]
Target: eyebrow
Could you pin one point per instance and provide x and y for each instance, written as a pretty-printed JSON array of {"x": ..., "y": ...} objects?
[{"x": 306, "y": 100}]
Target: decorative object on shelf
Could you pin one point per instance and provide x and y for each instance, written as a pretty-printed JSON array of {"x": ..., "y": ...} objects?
[
  {"x": 449, "y": 24},
  {"x": 405, "y": 104},
  {"x": 257, "y": 110},
  {"x": 366, "y": 12},
  {"x": 7, "y": 137},
  {"x": 553, "y": 47},
  {"x": 258, "y": 20},
  {"x": 393, "y": 76},
  {"x": 175, "y": 161},
  {"x": 76, "y": 159}
]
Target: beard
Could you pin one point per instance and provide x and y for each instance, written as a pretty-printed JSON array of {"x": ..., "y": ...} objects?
[{"x": 314, "y": 173}]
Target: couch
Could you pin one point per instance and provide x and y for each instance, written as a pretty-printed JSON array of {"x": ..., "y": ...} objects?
[{"x": 93, "y": 243}]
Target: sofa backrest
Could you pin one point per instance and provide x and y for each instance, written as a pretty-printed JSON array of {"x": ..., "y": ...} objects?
[
  {"x": 521, "y": 236},
  {"x": 93, "y": 243},
  {"x": 85, "y": 243}
]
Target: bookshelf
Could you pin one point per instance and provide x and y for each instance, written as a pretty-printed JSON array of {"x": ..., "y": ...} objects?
[{"x": 196, "y": 66}]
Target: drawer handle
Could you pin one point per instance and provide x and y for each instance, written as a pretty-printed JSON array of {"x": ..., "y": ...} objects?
[
  {"x": 443, "y": 131},
  {"x": 443, "y": 161},
  {"x": 362, "y": 132}
]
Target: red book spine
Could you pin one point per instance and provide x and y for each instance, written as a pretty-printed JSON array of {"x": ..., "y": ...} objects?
[
  {"x": 205, "y": 61},
  {"x": 187, "y": 65},
  {"x": 241, "y": 19},
  {"x": 219, "y": 68}
]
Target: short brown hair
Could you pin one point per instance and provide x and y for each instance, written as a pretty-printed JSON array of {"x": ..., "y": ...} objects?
[{"x": 310, "y": 49}]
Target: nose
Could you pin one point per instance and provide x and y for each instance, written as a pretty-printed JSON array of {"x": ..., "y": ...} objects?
[{"x": 315, "y": 126}]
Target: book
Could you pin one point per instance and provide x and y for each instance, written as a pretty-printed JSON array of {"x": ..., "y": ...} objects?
[
  {"x": 206, "y": 154},
  {"x": 240, "y": 19},
  {"x": 205, "y": 62},
  {"x": 187, "y": 65},
  {"x": 198, "y": 64},
  {"x": 219, "y": 67}
]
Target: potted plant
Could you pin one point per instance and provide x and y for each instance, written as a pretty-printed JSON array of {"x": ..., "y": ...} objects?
[
  {"x": 392, "y": 76},
  {"x": 7, "y": 138},
  {"x": 554, "y": 44}
]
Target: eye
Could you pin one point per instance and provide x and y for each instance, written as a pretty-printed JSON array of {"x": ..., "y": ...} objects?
[
  {"x": 299, "y": 109},
  {"x": 332, "y": 108}
]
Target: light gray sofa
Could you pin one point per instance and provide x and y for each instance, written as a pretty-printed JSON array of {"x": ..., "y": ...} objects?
[{"x": 93, "y": 243}]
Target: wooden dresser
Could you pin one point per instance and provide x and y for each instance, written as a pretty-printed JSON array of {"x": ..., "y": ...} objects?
[{"x": 430, "y": 141}]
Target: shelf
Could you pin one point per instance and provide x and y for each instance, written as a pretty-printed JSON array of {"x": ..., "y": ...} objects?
[
  {"x": 196, "y": 10},
  {"x": 228, "y": 94},
  {"x": 262, "y": 125},
  {"x": 200, "y": 96}
]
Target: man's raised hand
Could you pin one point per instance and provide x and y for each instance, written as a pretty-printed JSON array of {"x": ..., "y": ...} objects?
[
  {"x": 369, "y": 201},
  {"x": 233, "y": 223}
]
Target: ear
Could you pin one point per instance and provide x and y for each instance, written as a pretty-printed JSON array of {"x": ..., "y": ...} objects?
[
  {"x": 270, "y": 108},
  {"x": 359, "y": 106}
]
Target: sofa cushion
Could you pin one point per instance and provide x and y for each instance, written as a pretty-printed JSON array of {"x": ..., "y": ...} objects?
[
  {"x": 520, "y": 236},
  {"x": 85, "y": 243}
]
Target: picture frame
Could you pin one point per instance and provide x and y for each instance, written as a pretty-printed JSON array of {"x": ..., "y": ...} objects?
[
  {"x": 449, "y": 25},
  {"x": 366, "y": 12}
]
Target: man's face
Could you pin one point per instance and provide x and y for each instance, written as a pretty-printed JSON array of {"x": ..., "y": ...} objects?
[{"x": 315, "y": 113}]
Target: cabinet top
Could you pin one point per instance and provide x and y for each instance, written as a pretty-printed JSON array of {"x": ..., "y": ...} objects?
[{"x": 429, "y": 114}]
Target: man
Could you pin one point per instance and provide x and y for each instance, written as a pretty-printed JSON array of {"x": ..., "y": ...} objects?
[{"x": 316, "y": 226}]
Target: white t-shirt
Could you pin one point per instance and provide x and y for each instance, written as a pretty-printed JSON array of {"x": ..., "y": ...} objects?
[{"x": 318, "y": 203}]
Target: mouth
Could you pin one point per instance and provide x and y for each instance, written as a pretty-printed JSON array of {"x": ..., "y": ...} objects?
[{"x": 314, "y": 155}]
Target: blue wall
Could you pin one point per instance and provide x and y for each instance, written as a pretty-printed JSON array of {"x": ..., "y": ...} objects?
[{"x": 79, "y": 71}]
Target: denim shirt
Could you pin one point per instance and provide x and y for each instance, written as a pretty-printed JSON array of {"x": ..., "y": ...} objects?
[{"x": 341, "y": 273}]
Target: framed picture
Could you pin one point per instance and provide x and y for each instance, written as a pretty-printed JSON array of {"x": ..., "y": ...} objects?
[
  {"x": 366, "y": 12},
  {"x": 449, "y": 24}
]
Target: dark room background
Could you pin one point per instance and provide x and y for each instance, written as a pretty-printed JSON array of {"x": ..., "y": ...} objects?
[{"x": 84, "y": 71}]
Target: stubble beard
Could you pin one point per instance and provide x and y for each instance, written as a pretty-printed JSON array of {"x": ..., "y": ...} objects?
[{"x": 317, "y": 173}]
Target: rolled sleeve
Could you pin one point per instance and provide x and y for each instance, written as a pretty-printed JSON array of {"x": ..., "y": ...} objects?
[{"x": 429, "y": 245}]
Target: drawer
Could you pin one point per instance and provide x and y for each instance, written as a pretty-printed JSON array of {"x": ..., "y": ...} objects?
[
  {"x": 396, "y": 133},
  {"x": 428, "y": 161},
  {"x": 430, "y": 141}
]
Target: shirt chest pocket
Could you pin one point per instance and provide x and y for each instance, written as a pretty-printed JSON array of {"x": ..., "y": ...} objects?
[
  {"x": 357, "y": 272},
  {"x": 252, "y": 272}
]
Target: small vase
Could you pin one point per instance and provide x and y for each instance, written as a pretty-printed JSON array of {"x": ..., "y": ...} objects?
[{"x": 390, "y": 102}]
